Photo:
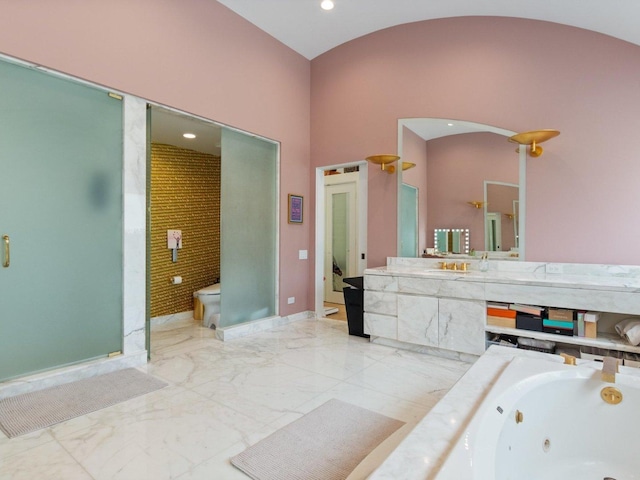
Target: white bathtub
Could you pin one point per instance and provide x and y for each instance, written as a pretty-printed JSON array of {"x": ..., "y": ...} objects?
[{"x": 567, "y": 432}]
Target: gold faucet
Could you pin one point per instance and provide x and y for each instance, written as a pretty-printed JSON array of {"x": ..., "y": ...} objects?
[
  {"x": 609, "y": 369},
  {"x": 453, "y": 266},
  {"x": 568, "y": 359}
]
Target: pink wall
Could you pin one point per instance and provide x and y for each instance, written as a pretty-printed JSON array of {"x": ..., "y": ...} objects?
[
  {"x": 198, "y": 56},
  {"x": 414, "y": 150},
  {"x": 457, "y": 167},
  {"x": 511, "y": 73},
  {"x": 193, "y": 55}
]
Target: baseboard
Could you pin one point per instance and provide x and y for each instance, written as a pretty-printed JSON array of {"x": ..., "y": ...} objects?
[
  {"x": 174, "y": 317},
  {"x": 438, "y": 352},
  {"x": 255, "y": 326}
]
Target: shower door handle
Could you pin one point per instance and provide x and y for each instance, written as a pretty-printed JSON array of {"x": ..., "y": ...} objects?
[{"x": 7, "y": 251}]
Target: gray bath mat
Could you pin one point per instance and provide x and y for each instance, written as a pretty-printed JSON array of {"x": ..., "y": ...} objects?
[
  {"x": 327, "y": 443},
  {"x": 35, "y": 410}
]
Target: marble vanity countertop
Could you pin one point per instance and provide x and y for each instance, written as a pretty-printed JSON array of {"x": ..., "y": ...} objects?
[
  {"x": 614, "y": 278},
  {"x": 422, "y": 453}
]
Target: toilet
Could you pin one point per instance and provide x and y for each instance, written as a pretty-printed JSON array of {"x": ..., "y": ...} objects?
[{"x": 207, "y": 305}]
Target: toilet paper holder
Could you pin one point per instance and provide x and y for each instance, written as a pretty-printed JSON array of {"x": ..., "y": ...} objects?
[{"x": 176, "y": 280}]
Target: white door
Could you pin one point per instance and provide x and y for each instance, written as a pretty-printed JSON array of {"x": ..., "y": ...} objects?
[{"x": 341, "y": 255}]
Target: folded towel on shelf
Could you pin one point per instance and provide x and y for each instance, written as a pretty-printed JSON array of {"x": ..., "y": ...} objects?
[{"x": 629, "y": 328}]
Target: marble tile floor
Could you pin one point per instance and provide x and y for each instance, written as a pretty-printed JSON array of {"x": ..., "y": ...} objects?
[{"x": 225, "y": 396}]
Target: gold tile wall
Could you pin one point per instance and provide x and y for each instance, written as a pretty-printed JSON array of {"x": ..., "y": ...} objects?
[{"x": 185, "y": 195}]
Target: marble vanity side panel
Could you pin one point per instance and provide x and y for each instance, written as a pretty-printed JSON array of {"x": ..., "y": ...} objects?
[
  {"x": 579, "y": 298},
  {"x": 424, "y": 286},
  {"x": 135, "y": 226},
  {"x": 381, "y": 283},
  {"x": 381, "y": 325},
  {"x": 462, "y": 288},
  {"x": 418, "y": 320},
  {"x": 461, "y": 325},
  {"x": 380, "y": 302}
]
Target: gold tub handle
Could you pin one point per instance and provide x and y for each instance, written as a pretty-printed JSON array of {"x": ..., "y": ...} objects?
[{"x": 7, "y": 251}]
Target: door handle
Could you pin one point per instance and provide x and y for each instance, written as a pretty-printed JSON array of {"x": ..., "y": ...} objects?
[{"x": 7, "y": 251}]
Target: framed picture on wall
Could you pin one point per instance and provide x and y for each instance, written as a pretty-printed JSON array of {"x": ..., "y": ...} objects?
[{"x": 295, "y": 208}]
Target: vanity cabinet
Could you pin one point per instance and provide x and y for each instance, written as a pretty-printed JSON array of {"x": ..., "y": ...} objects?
[
  {"x": 447, "y": 323},
  {"x": 462, "y": 325},
  {"x": 455, "y": 324},
  {"x": 418, "y": 320},
  {"x": 412, "y": 302}
]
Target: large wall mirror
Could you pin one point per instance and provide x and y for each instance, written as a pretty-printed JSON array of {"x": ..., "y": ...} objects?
[{"x": 467, "y": 176}]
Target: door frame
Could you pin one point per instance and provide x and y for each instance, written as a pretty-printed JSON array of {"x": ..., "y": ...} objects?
[{"x": 362, "y": 193}]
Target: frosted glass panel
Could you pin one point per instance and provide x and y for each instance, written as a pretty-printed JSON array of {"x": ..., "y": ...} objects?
[
  {"x": 409, "y": 221},
  {"x": 340, "y": 239},
  {"x": 248, "y": 228},
  {"x": 61, "y": 206}
]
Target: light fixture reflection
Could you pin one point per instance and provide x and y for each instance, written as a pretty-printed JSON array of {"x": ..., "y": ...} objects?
[
  {"x": 407, "y": 165},
  {"x": 477, "y": 204},
  {"x": 189, "y": 135},
  {"x": 327, "y": 4}
]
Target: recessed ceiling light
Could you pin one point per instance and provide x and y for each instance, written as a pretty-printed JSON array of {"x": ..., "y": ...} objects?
[
  {"x": 327, "y": 4},
  {"x": 450, "y": 124},
  {"x": 189, "y": 135}
]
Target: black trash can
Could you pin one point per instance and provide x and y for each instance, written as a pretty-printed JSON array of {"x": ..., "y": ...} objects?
[{"x": 354, "y": 304}]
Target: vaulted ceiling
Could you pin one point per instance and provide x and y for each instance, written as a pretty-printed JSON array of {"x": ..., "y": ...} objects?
[{"x": 311, "y": 31}]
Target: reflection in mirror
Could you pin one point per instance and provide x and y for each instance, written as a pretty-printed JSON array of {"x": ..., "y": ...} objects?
[
  {"x": 451, "y": 240},
  {"x": 500, "y": 232},
  {"x": 409, "y": 221},
  {"x": 453, "y": 160},
  {"x": 516, "y": 221}
]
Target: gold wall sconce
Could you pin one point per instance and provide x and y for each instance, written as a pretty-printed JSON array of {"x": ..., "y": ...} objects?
[
  {"x": 533, "y": 139},
  {"x": 477, "y": 204},
  {"x": 384, "y": 161},
  {"x": 407, "y": 165},
  {"x": 510, "y": 216}
]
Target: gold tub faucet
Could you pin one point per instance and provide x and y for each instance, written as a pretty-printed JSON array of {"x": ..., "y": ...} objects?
[{"x": 568, "y": 359}]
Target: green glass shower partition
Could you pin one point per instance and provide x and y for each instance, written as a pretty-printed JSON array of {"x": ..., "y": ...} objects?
[
  {"x": 409, "y": 221},
  {"x": 248, "y": 227},
  {"x": 340, "y": 238},
  {"x": 60, "y": 221}
]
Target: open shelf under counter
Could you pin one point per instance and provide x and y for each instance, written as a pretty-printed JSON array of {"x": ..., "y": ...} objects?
[{"x": 610, "y": 341}]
